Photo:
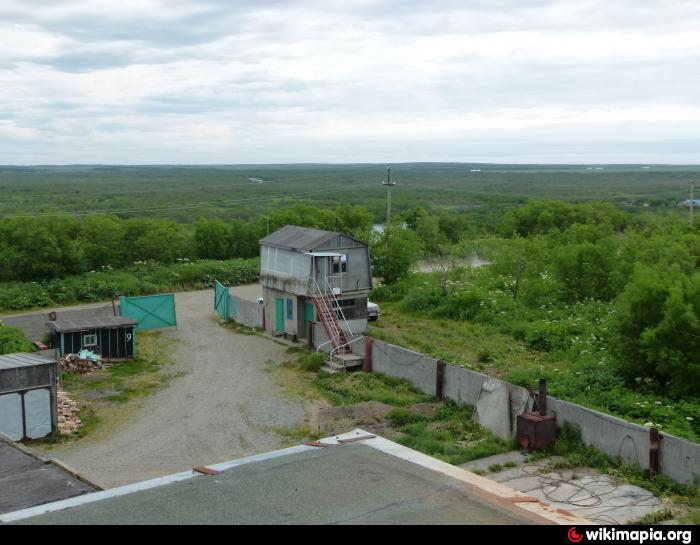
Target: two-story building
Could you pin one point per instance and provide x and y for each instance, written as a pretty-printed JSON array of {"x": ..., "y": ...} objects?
[{"x": 313, "y": 275}]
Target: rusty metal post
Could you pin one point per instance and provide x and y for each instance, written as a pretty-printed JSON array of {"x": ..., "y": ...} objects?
[
  {"x": 367, "y": 366},
  {"x": 654, "y": 444},
  {"x": 542, "y": 397},
  {"x": 439, "y": 379},
  {"x": 310, "y": 334},
  {"x": 263, "y": 319}
]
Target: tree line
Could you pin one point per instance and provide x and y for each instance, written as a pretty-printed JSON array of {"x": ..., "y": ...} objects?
[
  {"x": 42, "y": 248},
  {"x": 573, "y": 277}
]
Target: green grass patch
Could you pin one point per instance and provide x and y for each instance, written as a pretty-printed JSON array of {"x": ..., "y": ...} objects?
[
  {"x": 452, "y": 436},
  {"x": 350, "y": 388},
  {"x": 240, "y": 328}
]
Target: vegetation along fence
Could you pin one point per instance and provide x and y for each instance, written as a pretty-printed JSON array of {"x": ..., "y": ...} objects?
[{"x": 498, "y": 403}]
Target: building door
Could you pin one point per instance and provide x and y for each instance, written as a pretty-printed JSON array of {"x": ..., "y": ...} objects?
[
  {"x": 280, "y": 314},
  {"x": 308, "y": 314},
  {"x": 321, "y": 268}
]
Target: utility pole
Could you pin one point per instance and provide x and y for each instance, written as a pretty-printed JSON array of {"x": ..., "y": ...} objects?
[{"x": 388, "y": 185}]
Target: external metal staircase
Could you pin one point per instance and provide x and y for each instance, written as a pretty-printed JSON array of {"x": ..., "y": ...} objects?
[{"x": 330, "y": 314}]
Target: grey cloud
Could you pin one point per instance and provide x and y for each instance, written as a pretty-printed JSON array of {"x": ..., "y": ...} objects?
[{"x": 314, "y": 80}]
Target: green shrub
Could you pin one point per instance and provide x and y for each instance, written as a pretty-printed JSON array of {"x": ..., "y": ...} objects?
[
  {"x": 141, "y": 278},
  {"x": 400, "y": 417},
  {"x": 312, "y": 361},
  {"x": 14, "y": 340}
]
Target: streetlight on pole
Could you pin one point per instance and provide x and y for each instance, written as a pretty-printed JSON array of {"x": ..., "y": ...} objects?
[{"x": 389, "y": 184}]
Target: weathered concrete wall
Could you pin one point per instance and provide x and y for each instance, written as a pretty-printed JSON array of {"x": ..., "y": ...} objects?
[
  {"x": 33, "y": 324},
  {"x": 244, "y": 312},
  {"x": 418, "y": 369},
  {"x": 497, "y": 404},
  {"x": 678, "y": 459}
]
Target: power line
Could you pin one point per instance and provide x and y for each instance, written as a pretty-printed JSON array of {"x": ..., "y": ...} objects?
[{"x": 185, "y": 206}]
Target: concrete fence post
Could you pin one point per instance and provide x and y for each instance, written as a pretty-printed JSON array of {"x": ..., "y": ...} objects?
[
  {"x": 654, "y": 447},
  {"x": 367, "y": 366},
  {"x": 439, "y": 379}
]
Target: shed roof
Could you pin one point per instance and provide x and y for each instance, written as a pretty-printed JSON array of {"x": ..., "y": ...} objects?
[
  {"x": 24, "y": 359},
  {"x": 67, "y": 326},
  {"x": 292, "y": 237}
]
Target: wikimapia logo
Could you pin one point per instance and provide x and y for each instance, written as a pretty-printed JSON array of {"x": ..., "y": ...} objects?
[{"x": 637, "y": 536}]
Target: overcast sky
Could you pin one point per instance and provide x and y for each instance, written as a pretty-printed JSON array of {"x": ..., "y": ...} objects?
[{"x": 214, "y": 81}]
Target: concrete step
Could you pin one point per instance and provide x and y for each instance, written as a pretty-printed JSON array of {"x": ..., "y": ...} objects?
[
  {"x": 349, "y": 358},
  {"x": 348, "y": 361},
  {"x": 342, "y": 362},
  {"x": 331, "y": 367}
]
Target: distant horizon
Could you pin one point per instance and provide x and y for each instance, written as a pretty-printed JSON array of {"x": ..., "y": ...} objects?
[{"x": 360, "y": 163}]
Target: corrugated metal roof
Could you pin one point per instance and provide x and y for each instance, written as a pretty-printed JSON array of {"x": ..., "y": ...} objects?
[
  {"x": 24, "y": 359},
  {"x": 301, "y": 238},
  {"x": 66, "y": 326}
]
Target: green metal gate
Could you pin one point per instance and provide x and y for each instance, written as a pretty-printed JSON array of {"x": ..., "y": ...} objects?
[
  {"x": 221, "y": 300},
  {"x": 151, "y": 311}
]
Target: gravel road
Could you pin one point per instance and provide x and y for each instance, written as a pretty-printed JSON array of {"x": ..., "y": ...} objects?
[{"x": 224, "y": 407}]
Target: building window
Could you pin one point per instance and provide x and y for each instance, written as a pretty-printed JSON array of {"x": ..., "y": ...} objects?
[
  {"x": 90, "y": 340},
  {"x": 339, "y": 263},
  {"x": 290, "y": 309}
]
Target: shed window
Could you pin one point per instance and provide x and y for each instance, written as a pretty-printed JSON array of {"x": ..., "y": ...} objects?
[
  {"x": 290, "y": 309},
  {"x": 90, "y": 340},
  {"x": 339, "y": 264}
]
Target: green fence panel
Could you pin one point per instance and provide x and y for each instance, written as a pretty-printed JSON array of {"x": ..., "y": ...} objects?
[
  {"x": 150, "y": 311},
  {"x": 221, "y": 300}
]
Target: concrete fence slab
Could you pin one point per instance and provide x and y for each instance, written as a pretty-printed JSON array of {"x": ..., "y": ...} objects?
[
  {"x": 245, "y": 312},
  {"x": 418, "y": 369},
  {"x": 609, "y": 434}
]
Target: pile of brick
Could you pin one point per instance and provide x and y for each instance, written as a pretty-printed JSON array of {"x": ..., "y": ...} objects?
[
  {"x": 68, "y": 421},
  {"x": 71, "y": 363}
]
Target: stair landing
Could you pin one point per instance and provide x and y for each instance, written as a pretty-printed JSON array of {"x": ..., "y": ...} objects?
[{"x": 343, "y": 362}]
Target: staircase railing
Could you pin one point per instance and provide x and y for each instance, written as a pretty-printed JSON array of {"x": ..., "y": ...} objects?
[{"x": 329, "y": 295}]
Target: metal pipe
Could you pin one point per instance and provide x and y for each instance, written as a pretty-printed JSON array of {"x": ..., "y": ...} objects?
[
  {"x": 367, "y": 367},
  {"x": 439, "y": 379}
]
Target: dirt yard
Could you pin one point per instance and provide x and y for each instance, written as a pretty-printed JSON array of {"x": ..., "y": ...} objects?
[{"x": 224, "y": 404}]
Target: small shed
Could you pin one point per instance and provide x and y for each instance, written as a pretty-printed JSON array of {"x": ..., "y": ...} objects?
[
  {"x": 113, "y": 338},
  {"x": 28, "y": 384}
]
